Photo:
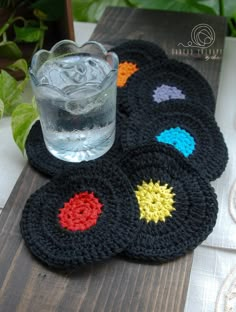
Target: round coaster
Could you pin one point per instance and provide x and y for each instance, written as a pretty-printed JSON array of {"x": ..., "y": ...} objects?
[
  {"x": 178, "y": 207},
  {"x": 134, "y": 54},
  {"x": 192, "y": 130},
  {"x": 43, "y": 161},
  {"x": 82, "y": 216},
  {"x": 159, "y": 82}
]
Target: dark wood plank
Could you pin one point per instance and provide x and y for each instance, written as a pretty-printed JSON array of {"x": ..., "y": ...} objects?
[{"x": 117, "y": 284}]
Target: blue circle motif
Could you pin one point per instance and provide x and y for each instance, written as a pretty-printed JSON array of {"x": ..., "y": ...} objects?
[{"x": 179, "y": 138}]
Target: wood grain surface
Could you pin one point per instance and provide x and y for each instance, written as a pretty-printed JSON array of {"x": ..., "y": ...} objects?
[{"x": 117, "y": 284}]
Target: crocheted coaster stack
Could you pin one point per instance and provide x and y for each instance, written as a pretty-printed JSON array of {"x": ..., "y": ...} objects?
[
  {"x": 161, "y": 81},
  {"x": 192, "y": 130},
  {"x": 133, "y": 56},
  {"x": 139, "y": 53},
  {"x": 42, "y": 160},
  {"x": 82, "y": 216},
  {"x": 178, "y": 208},
  {"x": 149, "y": 197}
]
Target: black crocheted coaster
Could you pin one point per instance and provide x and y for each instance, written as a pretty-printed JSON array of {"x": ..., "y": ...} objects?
[
  {"x": 158, "y": 82},
  {"x": 192, "y": 130},
  {"x": 82, "y": 216},
  {"x": 139, "y": 52},
  {"x": 43, "y": 161},
  {"x": 178, "y": 207},
  {"x": 133, "y": 56}
]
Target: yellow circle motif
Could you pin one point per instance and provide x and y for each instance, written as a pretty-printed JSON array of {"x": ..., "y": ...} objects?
[{"x": 155, "y": 201}]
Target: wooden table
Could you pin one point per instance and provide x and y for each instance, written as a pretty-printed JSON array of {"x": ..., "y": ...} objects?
[{"x": 117, "y": 284}]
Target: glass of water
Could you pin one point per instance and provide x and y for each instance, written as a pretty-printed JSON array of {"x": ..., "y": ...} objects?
[{"x": 75, "y": 90}]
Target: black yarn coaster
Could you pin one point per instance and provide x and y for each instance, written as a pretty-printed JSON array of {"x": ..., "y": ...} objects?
[
  {"x": 116, "y": 225},
  {"x": 195, "y": 203},
  {"x": 191, "y": 129},
  {"x": 140, "y": 52},
  {"x": 161, "y": 76},
  {"x": 43, "y": 161}
]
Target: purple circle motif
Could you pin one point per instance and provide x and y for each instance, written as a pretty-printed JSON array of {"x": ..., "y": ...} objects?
[{"x": 165, "y": 93}]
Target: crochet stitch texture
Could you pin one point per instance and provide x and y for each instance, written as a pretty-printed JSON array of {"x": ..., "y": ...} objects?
[
  {"x": 149, "y": 196},
  {"x": 165, "y": 93},
  {"x": 155, "y": 201},
  {"x": 204, "y": 147},
  {"x": 140, "y": 90},
  {"x": 125, "y": 70},
  {"x": 116, "y": 224},
  {"x": 179, "y": 138},
  {"x": 42, "y": 160},
  {"x": 139, "y": 52},
  {"x": 195, "y": 203},
  {"x": 80, "y": 212}
]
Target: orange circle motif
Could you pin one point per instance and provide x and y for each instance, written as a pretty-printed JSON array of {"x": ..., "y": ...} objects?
[{"x": 125, "y": 70}]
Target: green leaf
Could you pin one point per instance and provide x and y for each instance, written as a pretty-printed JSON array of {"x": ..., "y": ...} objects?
[
  {"x": 10, "y": 92},
  {"x": 10, "y": 89},
  {"x": 213, "y": 4},
  {"x": 203, "y": 8},
  {"x": 231, "y": 27},
  {"x": 20, "y": 64},
  {"x": 91, "y": 11},
  {"x": 229, "y": 8},
  {"x": 23, "y": 117},
  {"x": 234, "y": 16},
  {"x": 80, "y": 10},
  {"x": 174, "y": 5},
  {"x": 1, "y": 108},
  {"x": 10, "y": 50},
  {"x": 27, "y": 33},
  {"x": 53, "y": 9}
]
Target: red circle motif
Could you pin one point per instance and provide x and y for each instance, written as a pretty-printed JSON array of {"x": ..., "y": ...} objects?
[{"x": 81, "y": 212}]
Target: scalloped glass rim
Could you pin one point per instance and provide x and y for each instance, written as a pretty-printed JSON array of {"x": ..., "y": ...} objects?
[{"x": 67, "y": 47}]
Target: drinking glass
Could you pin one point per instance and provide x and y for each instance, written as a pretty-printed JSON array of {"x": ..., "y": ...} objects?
[{"x": 75, "y": 90}]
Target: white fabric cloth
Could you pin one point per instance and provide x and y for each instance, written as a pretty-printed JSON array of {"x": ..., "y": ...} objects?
[
  {"x": 224, "y": 234},
  {"x": 213, "y": 261},
  {"x": 211, "y": 267},
  {"x": 11, "y": 161}
]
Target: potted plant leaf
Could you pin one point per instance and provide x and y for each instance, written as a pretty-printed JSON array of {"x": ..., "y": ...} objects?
[
  {"x": 25, "y": 27},
  {"x": 28, "y": 25}
]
